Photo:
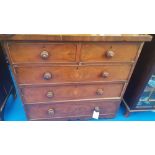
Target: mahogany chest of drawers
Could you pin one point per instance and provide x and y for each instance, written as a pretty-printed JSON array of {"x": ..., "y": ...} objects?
[{"x": 68, "y": 77}]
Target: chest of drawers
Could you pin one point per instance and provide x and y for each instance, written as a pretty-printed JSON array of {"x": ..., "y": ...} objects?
[{"x": 68, "y": 77}]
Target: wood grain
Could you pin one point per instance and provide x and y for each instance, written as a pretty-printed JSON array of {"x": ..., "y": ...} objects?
[
  {"x": 70, "y": 74},
  {"x": 75, "y": 37},
  {"x": 71, "y": 92},
  {"x": 30, "y": 52},
  {"x": 76, "y": 63},
  {"x": 123, "y": 52},
  {"x": 68, "y": 111}
]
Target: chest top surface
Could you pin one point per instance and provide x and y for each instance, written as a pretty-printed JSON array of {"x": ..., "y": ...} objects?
[{"x": 75, "y": 37}]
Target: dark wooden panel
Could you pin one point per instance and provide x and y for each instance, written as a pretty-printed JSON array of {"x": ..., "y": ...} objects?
[
  {"x": 6, "y": 83},
  {"x": 144, "y": 69}
]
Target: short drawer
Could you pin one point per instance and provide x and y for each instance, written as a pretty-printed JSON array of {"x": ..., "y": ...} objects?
[
  {"x": 65, "y": 111},
  {"x": 45, "y": 94},
  {"x": 109, "y": 52},
  {"x": 69, "y": 74},
  {"x": 42, "y": 52}
]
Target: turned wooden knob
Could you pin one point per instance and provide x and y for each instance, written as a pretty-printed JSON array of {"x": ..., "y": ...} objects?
[
  {"x": 97, "y": 109},
  {"x": 99, "y": 92},
  {"x": 105, "y": 74},
  {"x": 44, "y": 54},
  {"x": 51, "y": 112},
  {"x": 47, "y": 76},
  {"x": 110, "y": 54},
  {"x": 50, "y": 94}
]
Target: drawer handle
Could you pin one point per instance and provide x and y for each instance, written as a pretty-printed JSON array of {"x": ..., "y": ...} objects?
[
  {"x": 105, "y": 74},
  {"x": 97, "y": 109},
  {"x": 110, "y": 54},
  {"x": 47, "y": 76},
  {"x": 51, "y": 112},
  {"x": 50, "y": 94},
  {"x": 44, "y": 54},
  {"x": 99, "y": 92}
]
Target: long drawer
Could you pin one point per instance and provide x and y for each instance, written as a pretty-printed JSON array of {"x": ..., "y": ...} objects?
[
  {"x": 64, "y": 74},
  {"x": 66, "y": 111},
  {"x": 71, "y": 92}
]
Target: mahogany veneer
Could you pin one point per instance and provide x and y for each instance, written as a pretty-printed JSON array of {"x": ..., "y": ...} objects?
[
  {"x": 72, "y": 74},
  {"x": 72, "y": 92},
  {"x": 71, "y": 111},
  {"x": 68, "y": 77}
]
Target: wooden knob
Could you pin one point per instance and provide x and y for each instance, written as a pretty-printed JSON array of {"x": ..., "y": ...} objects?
[
  {"x": 105, "y": 74},
  {"x": 97, "y": 109},
  {"x": 47, "y": 76},
  {"x": 110, "y": 54},
  {"x": 99, "y": 92},
  {"x": 51, "y": 112},
  {"x": 50, "y": 94},
  {"x": 44, "y": 54}
]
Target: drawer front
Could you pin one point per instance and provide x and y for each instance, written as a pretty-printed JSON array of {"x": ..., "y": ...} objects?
[
  {"x": 42, "y": 52},
  {"x": 72, "y": 92},
  {"x": 38, "y": 75},
  {"x": 67, "y": 110},
  {"x": 109, "y": 52}
]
